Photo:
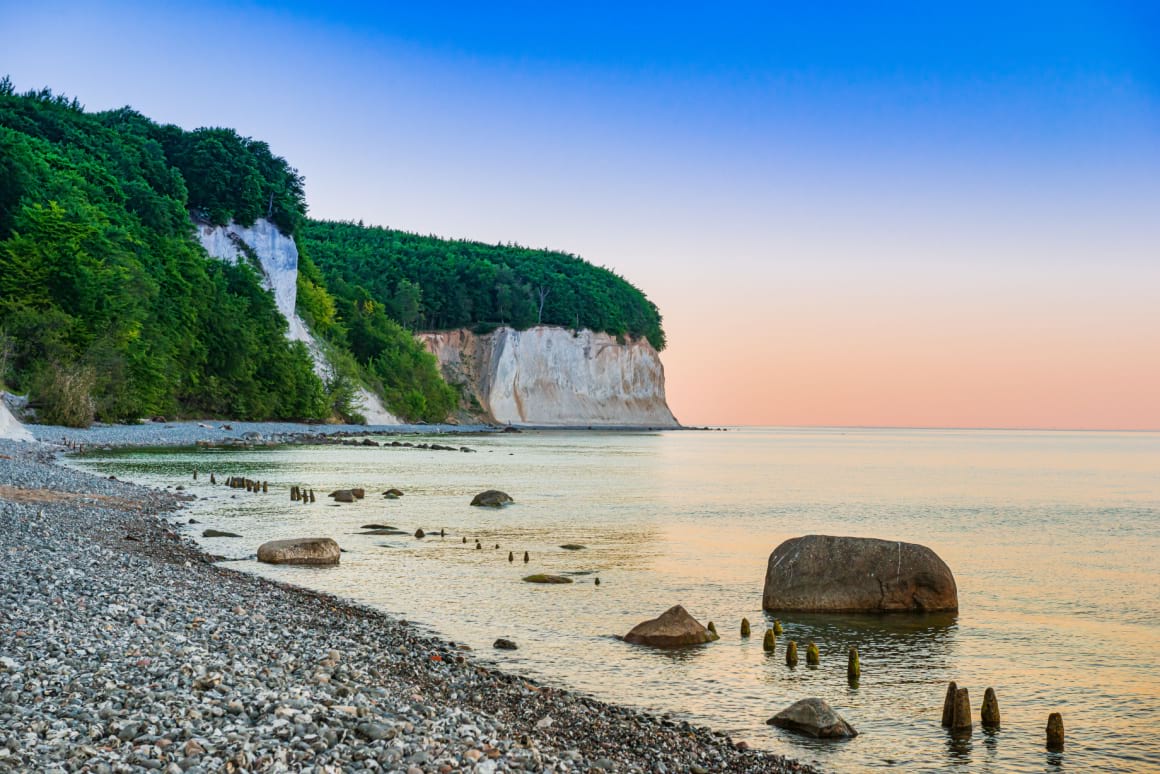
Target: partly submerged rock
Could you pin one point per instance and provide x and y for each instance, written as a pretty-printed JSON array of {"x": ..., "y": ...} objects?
[
  {"x": 219, "y": 533},
  {"x": 544, "y": 578},
  {"x": 343, "y": 496},
  {"x": 673, "y": 628},
  {"x": 492, "y": 498},
  {"x": 393, "y": 493},
  {"x": 813, "y": 717},
  {"x": 502, "y": 644},
  {"x": 573, "y": 547},
  {"x": 308, "y": 551},
  {"x": 827, "y": 574}
]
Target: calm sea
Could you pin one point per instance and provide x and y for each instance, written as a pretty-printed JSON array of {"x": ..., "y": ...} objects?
[{"x": 1053, "y": 537}]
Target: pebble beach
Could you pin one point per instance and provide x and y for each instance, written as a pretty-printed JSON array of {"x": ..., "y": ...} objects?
[{"x": 125, "y": 647}]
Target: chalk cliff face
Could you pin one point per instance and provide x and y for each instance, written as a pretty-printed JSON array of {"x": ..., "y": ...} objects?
[
  {"x": 277, "y": 256},
  {"x": 10, "y": 427},
  {"x": 550, "y": 376}
]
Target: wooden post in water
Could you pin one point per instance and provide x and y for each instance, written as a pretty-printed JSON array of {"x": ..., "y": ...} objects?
[
  {"x": 745, "y": 628},
  {"x": 713, "y": 628},
  {"x": 777, "y": 627},
  {"x": 769, "y": 641},
  {"x": 526, "y": 557},
  {"x": 1055, "y": 732},
  {"x": 948, "y": 715},
  {"x": 195, "y": 474},
  {"x": 962, "y": 724},
  {"x": 311, "y": 495},
  {"x": 853, "y": 666},
  {"x": 212, "y": 480},
  {"x": 813, "y": 657},
  {"x": 990, "y": 712},
  {"x": 511, "y": 556},
  {"x": 791, "y": 654}
]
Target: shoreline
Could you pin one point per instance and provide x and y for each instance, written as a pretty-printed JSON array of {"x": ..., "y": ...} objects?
[{"x": 123, "y": 642}]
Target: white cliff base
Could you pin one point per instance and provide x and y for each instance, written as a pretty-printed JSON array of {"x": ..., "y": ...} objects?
[
  {"x": 10, "y": 427},
  {"x": 554, "y": 377},
  {"x": 278, "y": 259}
]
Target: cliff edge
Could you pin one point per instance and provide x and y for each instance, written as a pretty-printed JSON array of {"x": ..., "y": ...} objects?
[{"x": 553, "y": 377}]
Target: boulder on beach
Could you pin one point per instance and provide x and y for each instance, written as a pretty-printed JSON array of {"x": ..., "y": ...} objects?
[
  {"x": 492, "y": 498},
  {"x": 813, "y": 717},
  {"x": 307, "y": 551},
  {"x": 673, "y": 628},
  {"x": 544, "y": 578},
  {"x": 827, "y": 574},
  {"x": 342, "y": 496}
]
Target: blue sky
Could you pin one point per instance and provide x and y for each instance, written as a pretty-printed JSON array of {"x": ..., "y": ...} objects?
[{"x": 848, "y": 190}]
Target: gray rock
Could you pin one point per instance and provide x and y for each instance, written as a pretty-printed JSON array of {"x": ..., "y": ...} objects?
[
  {"x": 307, "y": 551},
  {"x": 502, "y": 644},
  {"x": 813, "y": 717},
  {"x": 492, "y": 498},
  {"x": 673, "y": 628},
  {"x": 826, "y": 574}
]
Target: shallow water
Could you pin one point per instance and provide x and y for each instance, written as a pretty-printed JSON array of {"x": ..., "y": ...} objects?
[{"x": 1053, "y": 538}]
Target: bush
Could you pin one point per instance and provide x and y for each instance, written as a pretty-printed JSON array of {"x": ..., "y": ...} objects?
[{"x": 63, "y": 394}]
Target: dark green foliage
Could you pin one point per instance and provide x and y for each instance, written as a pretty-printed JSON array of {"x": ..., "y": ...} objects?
[
  {"x": 382, "y": 354},
  {"x": 432, "y": 283},
  {"x": 108, "y": 307}
]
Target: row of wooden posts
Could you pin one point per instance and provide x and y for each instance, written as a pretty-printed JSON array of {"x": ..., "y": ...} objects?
[
  {"x": 956, "y": 707},
  {"x": 956, "y": 715},
  {"x": 297, "y": 493}
]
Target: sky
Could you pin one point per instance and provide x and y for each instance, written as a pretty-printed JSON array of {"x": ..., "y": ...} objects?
[{"x": 862, "y": 214}]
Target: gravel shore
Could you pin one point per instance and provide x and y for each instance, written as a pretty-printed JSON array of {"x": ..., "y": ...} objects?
[
  {"x": 123, "y": 647},
  {"x": 192, "y": 433}
]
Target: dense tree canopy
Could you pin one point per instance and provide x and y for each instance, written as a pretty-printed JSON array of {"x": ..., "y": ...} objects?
[
  {"x": 431, "y": 283},
  {"x": 108, "y": 306}
]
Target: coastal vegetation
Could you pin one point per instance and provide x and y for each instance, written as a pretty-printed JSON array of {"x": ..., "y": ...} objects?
[
  {"x": 430, "y": 283},
  {"x": 111, "y": 310}
]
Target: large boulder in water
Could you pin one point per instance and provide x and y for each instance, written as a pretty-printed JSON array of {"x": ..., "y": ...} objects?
[
  {"x": 492, "y": 498},
  {"x": 826, "y": 574},
  {"x": 674, "y": 628},
  {"x": 813, "y": 717},
  {"x": 310, "y": 551}
]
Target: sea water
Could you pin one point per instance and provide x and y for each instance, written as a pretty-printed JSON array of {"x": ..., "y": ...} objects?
[{"x": 1053, "y": 537}]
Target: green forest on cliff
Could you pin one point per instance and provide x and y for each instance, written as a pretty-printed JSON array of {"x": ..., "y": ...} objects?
[
  {"x": 111, "y": 310},
  {"x": 431, "y": 283}
]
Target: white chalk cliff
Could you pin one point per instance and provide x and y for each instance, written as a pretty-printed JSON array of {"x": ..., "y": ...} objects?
[
  {"x": 278, "y": 258},
  {"x": 10, "y": 427},
  {"x": 554, "y": 377}
]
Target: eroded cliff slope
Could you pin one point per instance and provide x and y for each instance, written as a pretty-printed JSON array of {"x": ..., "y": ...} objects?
[
  {"x": 554, "y": 377},
  {"x": 277, "y": 258}
]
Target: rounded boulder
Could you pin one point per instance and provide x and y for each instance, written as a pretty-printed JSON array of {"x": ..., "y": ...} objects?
[
  {"x": 305, "y": 551},
  {"x": 827, "y": 574}
]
